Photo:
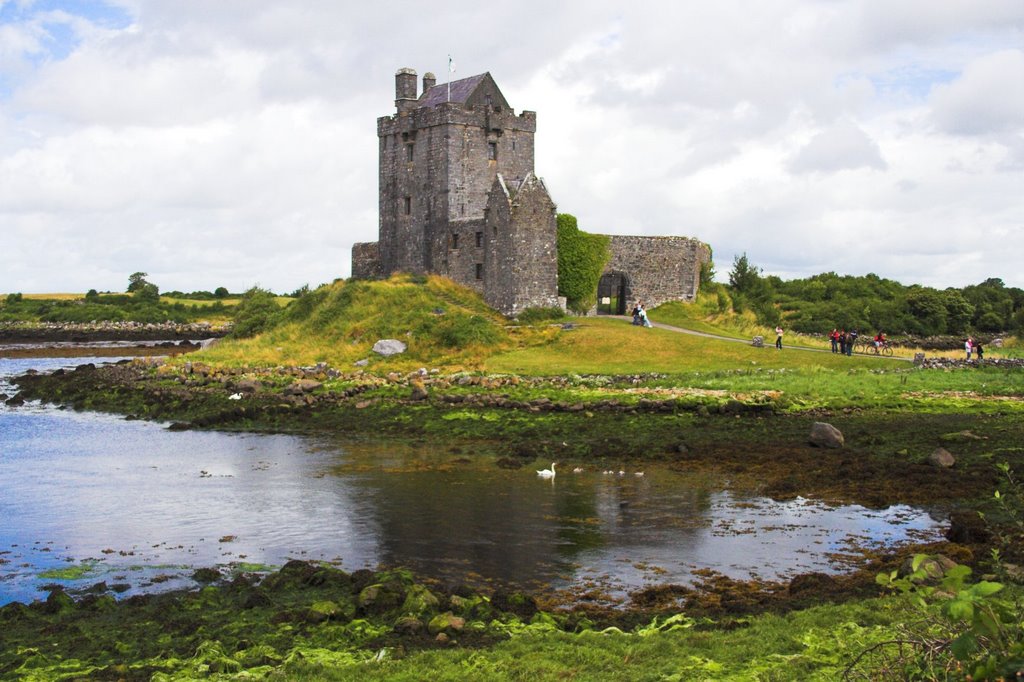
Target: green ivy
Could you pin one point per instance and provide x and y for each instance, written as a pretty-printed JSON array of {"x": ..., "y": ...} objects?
[{"x": 581, "y": 259}]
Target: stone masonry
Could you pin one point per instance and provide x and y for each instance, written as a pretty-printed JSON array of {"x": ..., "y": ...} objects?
[
  {"x": 657, "y": 269},
  {"x": 458, "y": 197}
]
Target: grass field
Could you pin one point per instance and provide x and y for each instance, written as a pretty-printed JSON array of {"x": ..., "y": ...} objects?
[{"x": 612, "y": 346}]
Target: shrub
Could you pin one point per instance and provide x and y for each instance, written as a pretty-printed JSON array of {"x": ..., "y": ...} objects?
[
  {"x": 581, "y": 259},
  {"x": 535, "y": 315},
  {"x": 255, "y": 313},
  {"x": 459, "y": 331}
]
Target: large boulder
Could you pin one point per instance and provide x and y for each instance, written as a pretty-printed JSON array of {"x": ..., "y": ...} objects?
[
  {"x": 389, "y": 347},
  {"x": 419, "y": 390},
  {"x": 942, "y": 458},
  {"x": 302, "y": 386},
  {"x": 967, "y": 527},
  {"x": 247, "y": 385},
  {"x": 826, "y": 436},
  {"x": 757, "y": 342},
  {"x": 446, "y": 622}
]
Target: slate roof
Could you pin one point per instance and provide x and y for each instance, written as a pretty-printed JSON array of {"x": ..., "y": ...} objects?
[{"x": 461, "y": 90}]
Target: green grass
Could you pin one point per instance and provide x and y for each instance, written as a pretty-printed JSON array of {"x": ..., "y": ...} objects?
[
  {"x": 612, "y": 346},
  {"x": 441, "y": 322}
]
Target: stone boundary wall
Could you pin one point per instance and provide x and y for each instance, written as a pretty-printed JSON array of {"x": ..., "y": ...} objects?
[
  {"x": 658, "y": 269},
  {"x": 366, "y": 261}
]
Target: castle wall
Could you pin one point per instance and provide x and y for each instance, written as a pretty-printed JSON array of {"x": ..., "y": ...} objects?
[
  {"x": 658, "y": 269},
  {"x": 366, "y": 260},
  {"x": 522, "y": 248}
]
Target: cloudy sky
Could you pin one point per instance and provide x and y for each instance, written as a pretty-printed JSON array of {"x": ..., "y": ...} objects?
[{"x": 233, "y": 142}]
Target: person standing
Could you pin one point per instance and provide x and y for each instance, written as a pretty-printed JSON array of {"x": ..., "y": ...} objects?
[
  {"x": 968, "y": 345},
  {"x": 778, "y": 337},
  {"x": 850, "y": 340},
  {"x": 834, "y": 337},
  {"x": 979, "y": 350},
  {"x": 842, "y": 342}
]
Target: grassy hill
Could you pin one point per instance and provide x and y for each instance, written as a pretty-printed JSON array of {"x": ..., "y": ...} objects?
[
  {"x": 440, "y": 321},
  {"x": 449, "y": 326}
]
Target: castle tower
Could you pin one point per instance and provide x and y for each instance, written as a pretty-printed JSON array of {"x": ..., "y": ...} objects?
[{"x": 439, "y": 155}]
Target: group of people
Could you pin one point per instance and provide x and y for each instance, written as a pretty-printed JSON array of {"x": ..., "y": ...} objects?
[
  {"x": 843, "y": 341},
  {"x": 974, "y": 345},
  {"x": 640, "y": 315}
]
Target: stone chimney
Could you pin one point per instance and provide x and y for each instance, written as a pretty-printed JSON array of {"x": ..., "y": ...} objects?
[
  {"x": 405, "y": 89},
  {"x": 429, "y": 80}
]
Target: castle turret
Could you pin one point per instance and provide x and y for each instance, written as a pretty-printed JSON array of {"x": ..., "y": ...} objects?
[
  {"x": 429, "y": 81},
  {"x": 405, "y": 89}
]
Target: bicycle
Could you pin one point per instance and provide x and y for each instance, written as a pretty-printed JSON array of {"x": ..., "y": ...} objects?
[{"x": 883, "y": 348}]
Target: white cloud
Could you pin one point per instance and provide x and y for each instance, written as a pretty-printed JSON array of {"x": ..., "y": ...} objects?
[
  {"x": 843, "y": 146},
  {"x": 987, "y": 98},
  {"x": 234, "y": 142}
]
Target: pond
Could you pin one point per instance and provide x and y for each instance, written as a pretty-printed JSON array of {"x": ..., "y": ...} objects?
[{"x": 88, "y": 498}]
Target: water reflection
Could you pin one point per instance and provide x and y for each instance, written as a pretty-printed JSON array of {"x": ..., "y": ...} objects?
[{"x": 148, "y": 505}]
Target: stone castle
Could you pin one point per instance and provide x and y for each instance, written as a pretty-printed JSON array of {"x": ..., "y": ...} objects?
[{"x": 458, "y": 197}]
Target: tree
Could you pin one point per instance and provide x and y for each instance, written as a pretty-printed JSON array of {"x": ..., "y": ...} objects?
[
  {"x": 136, "y": 281},
  {"x": 149, "y": 293},
  {"x": 744, "y": 277},
  {"x": 221, "y": 292},
  {"x": 928, "y": 307},
  {"x": 958, "y": 312}
]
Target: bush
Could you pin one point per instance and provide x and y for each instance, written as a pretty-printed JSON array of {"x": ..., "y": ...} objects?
[
  {"x": 581, "y": 259},
  {"x": 459, "y": 331},
  {"x": 535, "y": 315},
  {"x": 255, "y": 313}
]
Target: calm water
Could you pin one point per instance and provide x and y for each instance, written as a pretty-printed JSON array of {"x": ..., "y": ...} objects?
[{"x": 133, "y": 504}]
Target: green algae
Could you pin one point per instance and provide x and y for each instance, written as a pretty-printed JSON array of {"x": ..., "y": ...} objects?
[{"x": 80, "y": 571}]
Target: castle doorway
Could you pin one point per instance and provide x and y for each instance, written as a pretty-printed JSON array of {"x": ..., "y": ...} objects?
[{"x": 612, "y": 294}]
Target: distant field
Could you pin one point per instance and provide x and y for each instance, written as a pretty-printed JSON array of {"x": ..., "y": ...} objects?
[
  {"x": 281, "y": 300},
  {"x": 52, "y": 297}
]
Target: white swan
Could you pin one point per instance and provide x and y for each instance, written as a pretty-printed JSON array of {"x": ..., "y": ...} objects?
[{"x": 547, "y": 473}]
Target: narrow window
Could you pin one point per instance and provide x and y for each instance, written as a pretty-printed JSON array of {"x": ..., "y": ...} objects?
[
  {"x": 513, "y": 145},
  {"x": 409, "y": 152},
  {"x": 408, "y": 205},
  {"x": 479, "y": 240},
  {"x": 492, "y": 151},
  {"x": 455, "y": 240},
  {"x": 479, "y": 270}
]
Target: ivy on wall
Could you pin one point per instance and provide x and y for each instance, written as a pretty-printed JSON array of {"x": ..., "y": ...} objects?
[{"x": 581, "y": 259}]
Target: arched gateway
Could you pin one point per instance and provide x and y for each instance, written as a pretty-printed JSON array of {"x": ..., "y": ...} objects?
[{"x": 613, "y": 293}]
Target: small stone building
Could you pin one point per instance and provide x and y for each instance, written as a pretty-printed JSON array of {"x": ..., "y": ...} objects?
[{"x": 458, "y": 197}]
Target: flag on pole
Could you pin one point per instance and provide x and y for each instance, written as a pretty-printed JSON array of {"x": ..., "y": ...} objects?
[{"x": 451, "y": 70}]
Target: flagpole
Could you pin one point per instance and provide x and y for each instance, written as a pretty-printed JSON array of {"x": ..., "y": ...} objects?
[{"x": 451, "y": 70}]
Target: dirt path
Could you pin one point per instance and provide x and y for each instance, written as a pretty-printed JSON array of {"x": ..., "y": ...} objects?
[{"x": 768, "y": 343}]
